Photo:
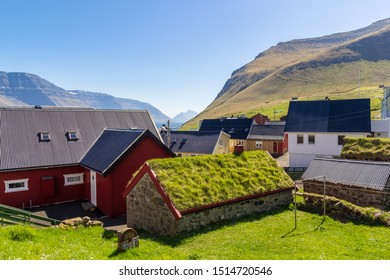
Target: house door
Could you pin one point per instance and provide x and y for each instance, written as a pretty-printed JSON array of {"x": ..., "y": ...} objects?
[
  {"x": 93, "y": 188},
  {"x": 275, "y": 149}
]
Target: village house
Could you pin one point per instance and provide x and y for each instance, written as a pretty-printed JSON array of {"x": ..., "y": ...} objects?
[
  {"x": 268, "y": 137},
  {"x": 192, "y": 143},
  {"x": 317, "y": 128},
  {"x": 170, "y": 196},
  {"x": 41, "y": 150},
  {"x": 260, "y": 119},
  {"x": 112, "y": 161},
  {"x": 237, "y": 128},
  {"x": 381, "y": 128},
  {"x": 364, "y": 183}
]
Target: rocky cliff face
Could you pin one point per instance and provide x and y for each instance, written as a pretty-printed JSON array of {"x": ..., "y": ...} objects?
[{"x": 18, "y": 89}]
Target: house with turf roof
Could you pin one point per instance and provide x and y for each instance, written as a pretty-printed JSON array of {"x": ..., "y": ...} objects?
[{"x": 174, "y": 195}]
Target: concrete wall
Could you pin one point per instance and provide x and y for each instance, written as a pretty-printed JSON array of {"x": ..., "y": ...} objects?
[
  {"x": 356, "y": 195},
  {"x": 147, "y": 210}
]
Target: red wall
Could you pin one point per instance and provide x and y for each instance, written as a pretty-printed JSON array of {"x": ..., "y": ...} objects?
[
  {"x": 36, "y": 194},
  {"x": 123, "y": 172}
]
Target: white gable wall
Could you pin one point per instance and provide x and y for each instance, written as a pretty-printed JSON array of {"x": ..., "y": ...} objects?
[{"x": 326, "y": 145}]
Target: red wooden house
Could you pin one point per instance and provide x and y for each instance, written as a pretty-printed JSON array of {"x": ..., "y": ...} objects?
[{"x": 41, "y": 151}]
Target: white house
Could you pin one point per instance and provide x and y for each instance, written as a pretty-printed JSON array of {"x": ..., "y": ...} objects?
[
  {"x": 381, "y": 128},
  {"x": 317, "y": 128}
]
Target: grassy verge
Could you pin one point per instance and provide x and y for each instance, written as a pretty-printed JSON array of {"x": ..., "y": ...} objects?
[{"x": 257, "y": 237}]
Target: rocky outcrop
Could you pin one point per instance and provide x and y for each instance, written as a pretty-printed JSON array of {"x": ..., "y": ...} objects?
[{"x": 79, "y": 222}]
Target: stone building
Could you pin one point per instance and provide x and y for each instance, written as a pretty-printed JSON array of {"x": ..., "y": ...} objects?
[
  {"x": 364, "y": 183},
  {"x": 167, "y": 197}
]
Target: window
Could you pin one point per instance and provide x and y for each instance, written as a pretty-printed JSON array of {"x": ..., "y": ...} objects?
[
  {"x": 16, "y": 185},
  {"x": 340, "y": 140},
  {"x": 259, "y": 144},
  {"x": 44, "y": 136},
  {"x": 72, "y": 136},
  {"x": 73, "y": 179},
  {"x": 299, "y": 139},
  {"x": 220, "y": 142},
  {"x": 311, "y": 139}
]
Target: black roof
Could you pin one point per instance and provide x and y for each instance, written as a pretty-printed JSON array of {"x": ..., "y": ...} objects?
[
  {"x": 266, "y": 132},
  {"x": 236, "y": 128},
  {"x": 349, "y": 115},
  {"x": 20, "y": 129},
  {"x": 197, "y": 142},
  {"x": 111, "y": 146}
]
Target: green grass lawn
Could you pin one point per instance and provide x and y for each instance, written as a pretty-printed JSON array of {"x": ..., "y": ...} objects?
[{"x": 264, "y": 237}]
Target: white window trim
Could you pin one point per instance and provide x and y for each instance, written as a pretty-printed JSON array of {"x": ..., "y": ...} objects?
[
  {"x": 259, "y": 144},
  {"x": 66, "y": 183},
  {"x": 308, "y": 139},
  {"x": 8, "y": 190}
]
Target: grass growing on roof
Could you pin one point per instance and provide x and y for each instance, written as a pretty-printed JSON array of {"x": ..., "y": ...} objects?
[
  {"x": 197, "y": 181},
  {"x": 377, "y": 149}
]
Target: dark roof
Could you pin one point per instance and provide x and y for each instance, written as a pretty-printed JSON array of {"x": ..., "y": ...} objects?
[
  {"x": 20, "y": 128},
  {"x": 350, "y": 115},
  {"x": 236, "y": 128},
  {"x": 367, "y": 174},
  {"x": 196, "y": 142},
  {"x": 111, "y": 146},
  {"x": 266, "y": 132}
]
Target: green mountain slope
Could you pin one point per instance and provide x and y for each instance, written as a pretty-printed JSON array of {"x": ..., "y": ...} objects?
[{"x": 342, "y": 65}]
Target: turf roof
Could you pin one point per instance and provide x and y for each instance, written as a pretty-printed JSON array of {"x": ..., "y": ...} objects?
[
  {"x": 376, "y": 149},
  {"x": 193, "y": 182}
]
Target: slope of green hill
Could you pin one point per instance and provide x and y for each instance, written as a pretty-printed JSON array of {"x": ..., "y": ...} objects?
[{"x": 338, "y": 66}]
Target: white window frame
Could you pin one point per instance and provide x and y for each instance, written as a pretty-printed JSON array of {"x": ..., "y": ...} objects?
[
  {"x": 20, "y": 189},
  {"x": 44, "y": 136},
  {"x": 72, "y": 135},
  {"x": 302, "y": 137},
  {"x": 74, "y": 175},
  {"x": 259, "y": 144},
  {"x": 220, "y": 142}
]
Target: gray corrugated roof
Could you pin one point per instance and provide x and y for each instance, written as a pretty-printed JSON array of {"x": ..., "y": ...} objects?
[
  {"x": 19, "y": 128},
  {"x": 266, "y": 132},
  {"x": 197, "y": 142},
  {"x": 367, "y": 174}
]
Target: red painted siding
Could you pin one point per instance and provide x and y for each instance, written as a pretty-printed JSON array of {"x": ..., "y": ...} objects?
[
  {"x": 39, "y": 192},
  {"x": 122, "y": 173}
]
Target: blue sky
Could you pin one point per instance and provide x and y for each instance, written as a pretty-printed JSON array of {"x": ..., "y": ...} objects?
[{"x": 174, "y": 54}]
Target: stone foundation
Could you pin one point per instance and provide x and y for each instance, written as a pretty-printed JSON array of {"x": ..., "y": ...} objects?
[
  {"x": 147, "y": 210},
  {"x": 357, "y": 195}
]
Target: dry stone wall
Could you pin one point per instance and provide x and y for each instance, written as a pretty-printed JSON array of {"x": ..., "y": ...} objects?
[{"x": 356, "y": 195}]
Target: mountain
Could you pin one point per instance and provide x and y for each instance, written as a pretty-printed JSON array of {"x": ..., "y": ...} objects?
[
  {"x": 184, "y": 116},
  {"x": 106, "y": 101},
  {"x": 21, "y": 89},
  {"x": 330, "y": 65}
]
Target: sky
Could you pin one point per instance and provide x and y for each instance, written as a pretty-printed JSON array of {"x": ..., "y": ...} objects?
[{"x": 173, "y": 54}]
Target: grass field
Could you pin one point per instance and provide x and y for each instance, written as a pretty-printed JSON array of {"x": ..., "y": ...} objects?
[{"x": 267, "y": 237}]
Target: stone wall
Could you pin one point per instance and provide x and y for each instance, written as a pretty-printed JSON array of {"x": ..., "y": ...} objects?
[
  {"x": 147, "y": 210},
  {"x": 356, "y": 195},
  {"x": 234, "y": 210}
]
